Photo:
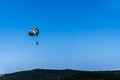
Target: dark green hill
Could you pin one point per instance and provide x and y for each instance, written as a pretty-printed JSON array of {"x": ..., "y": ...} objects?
[
  {"x": 40, "y": 74},
  {"x": 67, "y": 74},
  {"x": 100, "y": 75}
]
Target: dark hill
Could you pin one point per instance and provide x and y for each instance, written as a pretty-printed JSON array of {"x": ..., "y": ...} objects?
[
  {"x": 67, "y": 74},
  {"x": 40, "y": 74}
]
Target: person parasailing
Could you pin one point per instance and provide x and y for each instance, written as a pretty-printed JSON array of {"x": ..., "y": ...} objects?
[{"x": 34, "y": 32}]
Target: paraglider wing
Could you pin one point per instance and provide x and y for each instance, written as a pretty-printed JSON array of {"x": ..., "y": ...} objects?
[{"x": 33, "y": 32}]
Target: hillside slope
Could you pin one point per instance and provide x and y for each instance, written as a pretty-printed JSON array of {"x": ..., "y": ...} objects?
[{"x": 46, "y": 74}]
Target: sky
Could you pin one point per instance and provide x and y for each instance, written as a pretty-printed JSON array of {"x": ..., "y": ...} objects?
[{"x": 74, "y": 34}]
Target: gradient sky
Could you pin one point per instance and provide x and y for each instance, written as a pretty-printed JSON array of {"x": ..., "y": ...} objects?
[{"x": 75, "y": 34}]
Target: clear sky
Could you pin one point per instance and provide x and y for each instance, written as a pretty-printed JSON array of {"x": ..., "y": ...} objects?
[{"x": 75, "y": 34}]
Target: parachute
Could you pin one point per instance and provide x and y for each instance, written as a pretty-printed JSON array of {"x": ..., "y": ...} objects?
[{"x": 35, "y": 33}]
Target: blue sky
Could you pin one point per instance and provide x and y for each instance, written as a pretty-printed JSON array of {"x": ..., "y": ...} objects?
[{"x": 74, "y": 34}]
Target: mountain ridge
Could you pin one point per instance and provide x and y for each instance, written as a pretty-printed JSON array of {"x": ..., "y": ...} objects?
[{"x": 66, "y": 74}]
